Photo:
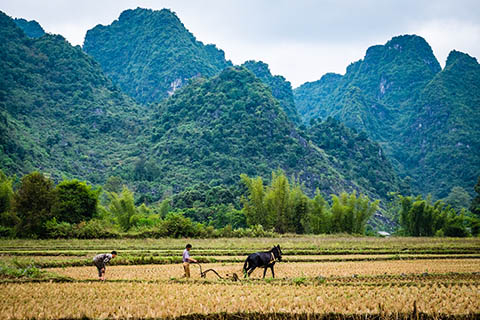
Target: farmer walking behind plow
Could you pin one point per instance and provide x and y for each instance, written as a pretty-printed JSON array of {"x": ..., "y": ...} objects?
[{"x": 186, "y": 260}]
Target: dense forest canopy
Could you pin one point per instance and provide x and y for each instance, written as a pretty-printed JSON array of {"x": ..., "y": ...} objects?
[
  {"x": 31, "y": 28},
  {"x": 215, "y": 129},
  {"x": 59, "y": 112},
  {"x": 281, "y": 88},
  {"x": 150, "y": 54}
]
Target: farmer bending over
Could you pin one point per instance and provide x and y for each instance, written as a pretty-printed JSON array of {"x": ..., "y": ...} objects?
[
  {"x": 101, "y": 260},
  {"x": 186, "y": 260}
]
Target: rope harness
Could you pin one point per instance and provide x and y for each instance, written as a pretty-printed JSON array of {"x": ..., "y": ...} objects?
[{"x": 272, "y": 258}]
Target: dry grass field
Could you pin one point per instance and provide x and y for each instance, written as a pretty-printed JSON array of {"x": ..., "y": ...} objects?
[
  {"x": 155, "y": 300},
  {"x": 330, "y": 278}
]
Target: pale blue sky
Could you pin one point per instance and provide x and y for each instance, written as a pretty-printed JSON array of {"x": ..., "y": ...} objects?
[{"x": 300, "y": 39}]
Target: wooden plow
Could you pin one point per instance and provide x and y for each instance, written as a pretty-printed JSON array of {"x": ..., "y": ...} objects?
[{"x": 203, "y": 274}]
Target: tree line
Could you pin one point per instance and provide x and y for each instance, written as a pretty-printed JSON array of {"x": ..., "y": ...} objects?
[
  {"x": 420, "y": 217},
  {"x": 284, "y": 207},
  {"x": 35, "y": 207}
]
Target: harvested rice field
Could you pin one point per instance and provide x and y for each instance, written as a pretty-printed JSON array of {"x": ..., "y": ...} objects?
[
  {"x": 282, "y": 269},
  {"x": 152, "y": 300},
  {"x": 329, "y": 278}
]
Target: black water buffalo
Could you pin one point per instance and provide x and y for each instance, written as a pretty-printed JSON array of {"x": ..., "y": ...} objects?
[{"x": 262, "y": 260}]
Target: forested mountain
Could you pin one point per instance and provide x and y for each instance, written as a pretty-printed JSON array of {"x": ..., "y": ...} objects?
[
  {"x": 395, "y": 91},
  {"x": 31, "y": 28},
  {"x": 445, "y": 129},
  {"x": 62, "y": 115},
  {"x": 58, "y": 112},
  {"x": 281, "y": 88},
  {"x": 150, "y": 54},
  {"x": 376, "y": 93},
  {"x": 213, "y": 130}
]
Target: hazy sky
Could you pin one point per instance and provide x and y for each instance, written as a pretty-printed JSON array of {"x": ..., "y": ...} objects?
[{"x": 299, "y": 39}]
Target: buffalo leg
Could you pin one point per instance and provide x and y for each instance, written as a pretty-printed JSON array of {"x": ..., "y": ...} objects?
[
  {"x": 273, "y": 273},
  {"x": 250, "y": 272},
  {"x": 245, "y": 270}
]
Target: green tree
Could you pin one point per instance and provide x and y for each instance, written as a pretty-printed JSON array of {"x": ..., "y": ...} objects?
[
  {"x": 113, "y": 184},
  {"x": 32, "y": 203},
  {"x": 454, "y": 224},
  {"x": 277, "y": 203},
  {"x": 475, "y": 205},
  {"x": 75, "y": 201},
  {"x": 458, "y": 198},
  {"x": 351, "y": 213},
  {"x": 178, "y": 226},
  {"x": 122, "y": 207},
  {"x": 145, "y": 218},
  {"x": 282, "y": 205},
  {"x": 318, "y": 219},
  {"x": 404, "y": 213},
  {"x": 236, "y": 218},
  {"x": 164, "y": 208},
  {"x": 6, "y": 193},
  {"x": 8, "y": 218},
  {"x": 299, "y": 206},
  {"x": 253, "y": 205},
  {"x": 421, "y": 217}
]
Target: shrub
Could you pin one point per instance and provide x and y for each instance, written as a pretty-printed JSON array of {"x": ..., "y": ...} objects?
[
  {"x": 95, "y": 229},
  {"x": 157, "y": 231},
  {"x": 7, "y": 232},
  {"x": 58, "y": 230},
  {"x": 178, "y": 226}
]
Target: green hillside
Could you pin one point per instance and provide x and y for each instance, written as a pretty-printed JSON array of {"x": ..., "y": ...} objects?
[
  {"x": 376, "y": 93},
  {"x": 311, "y": 97},
  {"x": 446, "y": 129},
  {"x": 394, "y": 89},
  {"x": 150, "y": 54},
  {"x": 58, "y": 112},
  {"x": 31, "y": 28},
  {"x": 281, "y": 88},
  {"x": 358, "y": 158},
  {"x": 215, "y": 129}
]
